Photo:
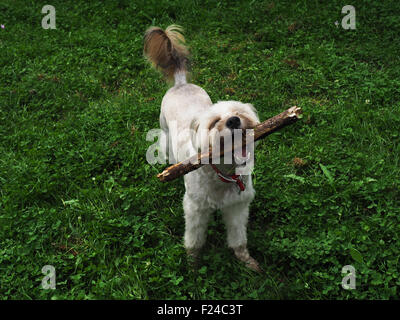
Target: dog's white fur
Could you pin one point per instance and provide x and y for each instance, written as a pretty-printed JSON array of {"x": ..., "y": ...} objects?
[{"x": 187, "y": 106}]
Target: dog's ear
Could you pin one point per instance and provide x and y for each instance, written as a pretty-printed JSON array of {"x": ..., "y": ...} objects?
[
  {"x": 255, "y": 114},
  {"x": 194, "y": 127},
  {"x": 251, "y": 107}
]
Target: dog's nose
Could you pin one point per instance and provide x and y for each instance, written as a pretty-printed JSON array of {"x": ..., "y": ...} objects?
[{"x": 233, "y": 123}]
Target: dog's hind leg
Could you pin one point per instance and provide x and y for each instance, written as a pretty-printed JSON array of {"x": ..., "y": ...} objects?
[
  {"x": 235, "y": 218},
  {"x": 196, "y": 222}
]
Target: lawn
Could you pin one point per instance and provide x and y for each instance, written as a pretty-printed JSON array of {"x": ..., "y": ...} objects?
[{"x": 76, "y": 192}]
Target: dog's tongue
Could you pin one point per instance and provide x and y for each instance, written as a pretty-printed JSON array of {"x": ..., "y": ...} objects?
[
  {"x": 244, "y": 154},
  {"x": 241, "y": 157}
]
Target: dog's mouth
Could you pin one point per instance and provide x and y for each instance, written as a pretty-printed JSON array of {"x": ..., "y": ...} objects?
[
  {"x": 242, "y": 157},
  {"x": 235, "y": 151}
]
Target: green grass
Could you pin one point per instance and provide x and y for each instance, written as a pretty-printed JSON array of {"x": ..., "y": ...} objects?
[{"x": 77, "y": 193}]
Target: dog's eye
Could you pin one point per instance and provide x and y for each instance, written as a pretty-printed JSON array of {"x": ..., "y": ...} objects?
[{"x": 213, "y": 123}]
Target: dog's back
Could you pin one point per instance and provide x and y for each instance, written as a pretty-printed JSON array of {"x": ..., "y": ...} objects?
[{"x": 166, "y": 51}]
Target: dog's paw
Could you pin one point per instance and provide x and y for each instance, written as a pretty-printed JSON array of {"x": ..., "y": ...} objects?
[
  {"x": 243, "y": 255},
  {"x": 252, "y": 264}
]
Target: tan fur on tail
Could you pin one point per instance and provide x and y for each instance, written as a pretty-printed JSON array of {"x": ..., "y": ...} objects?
[{"x": 166, "y": 49}]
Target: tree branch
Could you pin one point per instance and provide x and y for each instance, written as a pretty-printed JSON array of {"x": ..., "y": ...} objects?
[{"x": 260, "y": 131}]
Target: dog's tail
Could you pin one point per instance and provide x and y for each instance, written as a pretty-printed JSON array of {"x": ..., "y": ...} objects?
[{"x": 167, "y": 52}]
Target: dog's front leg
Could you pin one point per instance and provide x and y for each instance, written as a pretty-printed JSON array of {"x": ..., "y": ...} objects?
[
  {"x": 196, "y": 222},
  {"x": 235, "y": 218}
]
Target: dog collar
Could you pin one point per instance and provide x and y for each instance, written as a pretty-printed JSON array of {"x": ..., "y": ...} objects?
[{"x": 234, "y": 178}]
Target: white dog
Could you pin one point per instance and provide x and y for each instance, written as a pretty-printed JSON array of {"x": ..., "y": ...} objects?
[{"x": 188, "y": 109}]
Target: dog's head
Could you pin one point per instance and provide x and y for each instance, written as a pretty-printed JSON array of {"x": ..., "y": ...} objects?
[{"x": 216, "y": 127}]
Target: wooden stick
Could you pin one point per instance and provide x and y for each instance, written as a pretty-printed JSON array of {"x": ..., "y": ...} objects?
[{"x": 260, "y": 131}]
